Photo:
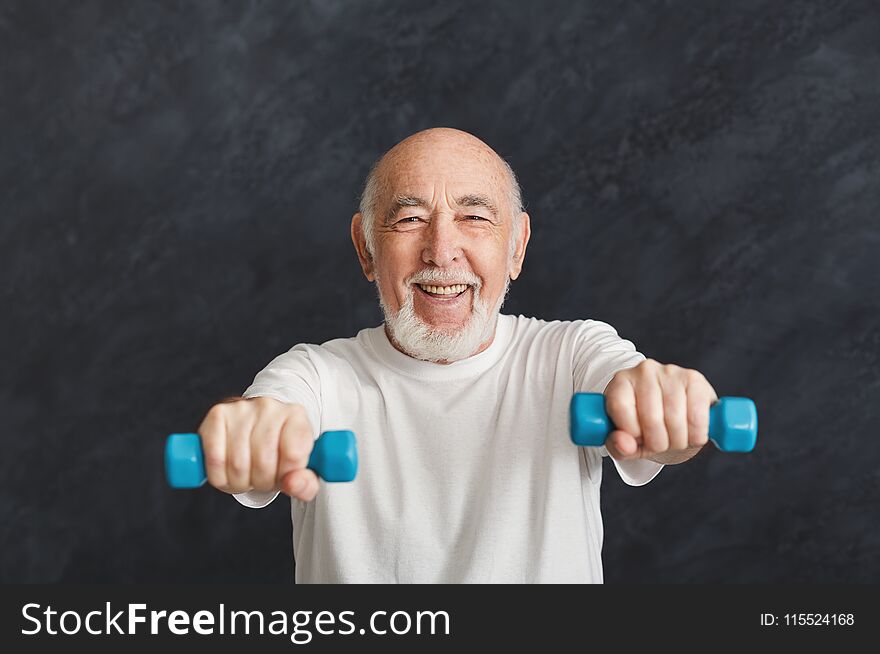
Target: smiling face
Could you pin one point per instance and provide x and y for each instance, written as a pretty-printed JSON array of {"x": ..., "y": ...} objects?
[{"x": 446, "y": 239}]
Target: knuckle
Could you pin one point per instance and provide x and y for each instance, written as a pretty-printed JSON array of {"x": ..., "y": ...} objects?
[
  {"x": 698, "y": 428},
  {"x": 212, "y": 437},
  {"x": 674, "y": 404},
  {"x": 301, "y": 444},
  {"x": 235, "y": 414},
  {"x": 214, "y": 459},
  {"x": 615, "y": 404},
  {"x": 295, "y": 410},
  {"x": 653, "y": 445},
  {"x": 215, "y": 478},
  {"x": 299, "y": 420},
  {"x": 264, "y": 403},
  {"x": 264, "y": 484},
  {"x": 238, "y": 466},
  {"x": 678, "y": 430},
  {"x": 217, "y": 411},
  {"x": 654, "y": 432},
  {"x": 266, "y": 431},
  {"x": 698, "y": 420},
  {"x": 260, "y": 466},
  {"x": 298, "y": 440},
  {"x": 697, "y": 431},
  {"x": 264, "y": 460},
  {"x": 252, "y": 406},
  {"x": 657, "y": 444},
  {"x": 652, "y": 422},
  {"x": 212, "y": 421},
  {"x": 297, "y": 457}
]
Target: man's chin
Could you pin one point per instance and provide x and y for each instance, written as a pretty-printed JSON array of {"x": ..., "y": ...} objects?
[{"x": 444, "y": 328}]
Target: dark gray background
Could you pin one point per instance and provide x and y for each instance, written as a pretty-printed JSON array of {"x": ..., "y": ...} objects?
[{"x": 176, "y": 186}]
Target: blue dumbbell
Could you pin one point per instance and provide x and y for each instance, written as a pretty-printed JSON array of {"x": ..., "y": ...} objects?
[
  {"x": 733, "y": 422},
  {"x": 334, "y": 458}
]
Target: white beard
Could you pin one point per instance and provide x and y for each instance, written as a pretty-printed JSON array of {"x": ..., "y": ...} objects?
[{"x": 422, "y": 341}]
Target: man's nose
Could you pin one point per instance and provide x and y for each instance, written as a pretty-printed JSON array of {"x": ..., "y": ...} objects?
[{"x": 442, "y": 244}]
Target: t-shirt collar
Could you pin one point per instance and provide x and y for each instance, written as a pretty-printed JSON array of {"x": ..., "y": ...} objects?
[{"x": 473, "y": 365}]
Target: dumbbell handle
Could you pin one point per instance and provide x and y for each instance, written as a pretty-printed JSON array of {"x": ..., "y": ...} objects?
[
  {"x": 333, "y": 458},
  {"x": 733, "y": 422}
]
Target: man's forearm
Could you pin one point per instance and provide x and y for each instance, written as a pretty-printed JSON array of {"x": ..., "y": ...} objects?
[{"x": 679, "y": 456}]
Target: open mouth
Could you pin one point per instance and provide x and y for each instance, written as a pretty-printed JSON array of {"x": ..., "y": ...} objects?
[{"x": 443, "y": 292}]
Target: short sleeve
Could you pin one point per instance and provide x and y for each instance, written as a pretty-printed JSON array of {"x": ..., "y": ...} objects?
[
  {"x": 599, "y": 354},
  {"x": 291, "y": 378}
]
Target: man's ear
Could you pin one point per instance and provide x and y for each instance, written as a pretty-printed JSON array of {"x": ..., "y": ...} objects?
[
  {"x": 522, "y": 241},
  {"x": 360, "y": 246}
]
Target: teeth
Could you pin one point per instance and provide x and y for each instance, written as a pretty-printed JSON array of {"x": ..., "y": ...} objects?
[{"x": 444, "y": 290}]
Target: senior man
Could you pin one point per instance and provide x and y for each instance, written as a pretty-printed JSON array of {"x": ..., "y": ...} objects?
[{"x": 467, "y": 473}]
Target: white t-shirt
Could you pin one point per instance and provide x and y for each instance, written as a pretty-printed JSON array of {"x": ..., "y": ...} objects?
[{"x": 466, "y": 471}]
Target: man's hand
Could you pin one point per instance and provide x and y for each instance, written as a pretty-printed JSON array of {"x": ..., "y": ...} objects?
[
  {"x": 259, "y": 444},
  {"x": 661, "y": 412}
]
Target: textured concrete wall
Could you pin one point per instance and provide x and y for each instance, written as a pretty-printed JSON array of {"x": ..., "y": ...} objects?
[{"x": 176, "y": 183}]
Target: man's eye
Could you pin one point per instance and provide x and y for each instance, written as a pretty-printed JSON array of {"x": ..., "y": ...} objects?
[
  {"x": 475, "y": 218},
  {"x": 408, "y": 219}
]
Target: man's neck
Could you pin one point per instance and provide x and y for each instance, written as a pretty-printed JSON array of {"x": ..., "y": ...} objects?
[{"x": 397, "y": 347}]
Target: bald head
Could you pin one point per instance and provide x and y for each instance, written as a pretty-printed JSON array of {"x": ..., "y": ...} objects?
[{"x": 431, "y": 148}]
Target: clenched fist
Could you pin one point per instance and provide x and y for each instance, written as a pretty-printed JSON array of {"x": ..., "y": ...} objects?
[
  {"x": 259, "y": 444},
  {"x": 661, "y": 412}
]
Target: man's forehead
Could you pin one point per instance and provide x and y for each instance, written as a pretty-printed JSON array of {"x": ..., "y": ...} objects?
[
  {"x": 451, "y": 186},
  {"x": 460, "y": 179}
]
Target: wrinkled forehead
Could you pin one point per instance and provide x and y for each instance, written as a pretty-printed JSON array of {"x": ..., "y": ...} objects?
[{"x": 422, "y": 170}]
